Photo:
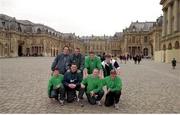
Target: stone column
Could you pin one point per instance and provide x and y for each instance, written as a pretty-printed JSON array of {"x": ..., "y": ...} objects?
[
  {"x": 131, "y": 51},
  {"x": 44, "y": 48},
  {"x": 164, "y": 28},
  {"x": 37, "y": 50},
  {"x": 169, "y": 29},
  {"x": 179, "y": 16},
  {"x": 2, "y": 50},
  {"x": 125, "y": 44},
  {"x": 175, "y": 28}
]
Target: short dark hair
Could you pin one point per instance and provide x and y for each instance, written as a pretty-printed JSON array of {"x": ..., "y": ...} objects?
[{"x": 73, "y": 64}]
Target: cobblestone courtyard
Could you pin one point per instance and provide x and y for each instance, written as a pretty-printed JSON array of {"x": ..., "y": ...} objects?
[{"x": 147, "y": 88}]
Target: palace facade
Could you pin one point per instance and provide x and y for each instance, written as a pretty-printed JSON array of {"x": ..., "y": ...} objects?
[
  {"x": 159, "y": 40},
  {"x": 103, "y": 44},
  {"x": 170, "y": 38},
  {"x": 24, "y": 38}
]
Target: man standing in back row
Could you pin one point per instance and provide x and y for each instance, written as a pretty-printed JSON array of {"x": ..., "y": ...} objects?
[
  {"x": 108, "y": 64},
  {"x": 62, "y": 61},
  {"x": 78, "y": 59},
  {"x": 91, "y": 62}
]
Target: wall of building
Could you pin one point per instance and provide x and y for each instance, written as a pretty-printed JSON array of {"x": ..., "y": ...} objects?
[
  {"x": 167, "y": 56},
  {"x": 174, "y": 53},
  {"x": 158, "y": 56}
]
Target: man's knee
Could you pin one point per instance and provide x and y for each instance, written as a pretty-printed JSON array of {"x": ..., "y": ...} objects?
[
  {"x": 71, "y": 95},
  {"x": 70, "y": 99},
  {"x": 107, "y": 104},
  {"x": 62, "y": 89},
  {"x": 92, "y": 101},
  {"x": 109, "y": 100},
  {"x": 118, "y": 92},
  {"x": 100, "y": 95},
  {"x": 53, "y": 94}
]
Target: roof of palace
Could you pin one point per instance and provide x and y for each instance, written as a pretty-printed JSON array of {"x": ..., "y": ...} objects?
[
  {"x": 26, "y": 26},
  {"x": 139, "y": 27}
]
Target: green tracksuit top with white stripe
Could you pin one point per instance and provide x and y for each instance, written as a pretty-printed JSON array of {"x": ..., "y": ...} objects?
[
  {"x": 93, "y": 83},
  {"x": 113, "y": 84},
  {"x": 55, "y": 82},
  {"x": 91, "y": 64}
]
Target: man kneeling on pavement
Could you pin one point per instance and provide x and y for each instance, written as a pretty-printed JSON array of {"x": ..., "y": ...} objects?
[
  {"x": 55, "y": 86},
  {"x": 93, "y": 87},
  {"x": 114, "y": 86},
  {"x": 72, "y": 84}
]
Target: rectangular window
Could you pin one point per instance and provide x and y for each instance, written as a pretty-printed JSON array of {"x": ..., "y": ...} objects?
[
  {"x": 133, "y": 39},
  {"x": 145, "y": 39}
]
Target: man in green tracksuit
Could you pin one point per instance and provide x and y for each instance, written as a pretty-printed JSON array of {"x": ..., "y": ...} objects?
[
  {"x": 91, "y": 62},
  {"x": 114, "y": 86},
  {"x": 93, "y": 85},
  {"x": 55, "y": 86}
]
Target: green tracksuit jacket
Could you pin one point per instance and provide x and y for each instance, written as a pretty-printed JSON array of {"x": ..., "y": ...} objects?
[
  {"x": 55, "y": 82},
  {"x": 113, "y": 84},
  {"x": 93, "y": 83},
  {"x": 91, "y": 64}
]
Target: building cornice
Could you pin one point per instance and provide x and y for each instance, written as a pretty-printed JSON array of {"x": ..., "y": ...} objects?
[{"x": 162, "y": 1}]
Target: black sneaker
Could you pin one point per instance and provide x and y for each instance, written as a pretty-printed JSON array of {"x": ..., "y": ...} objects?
[{"x": 56, "y": 98}]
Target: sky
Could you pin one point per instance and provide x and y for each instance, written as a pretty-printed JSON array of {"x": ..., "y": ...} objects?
[{"x": 83, "y": 17}]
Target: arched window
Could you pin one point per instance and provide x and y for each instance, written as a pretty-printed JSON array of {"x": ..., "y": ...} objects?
[
  {"x": 19, "y": 28},
  {"x": 134, "y": 28},
  {"x": 164, "y": 47},
  {"x": 46, "y": 31},
  {"x": 38, "y": 30},
  {"x": 3, "y": 23},
  {"x": 145, "y": 51},
  {"x": 169, "y": 46},
  {"x": 176, "y": 45}
]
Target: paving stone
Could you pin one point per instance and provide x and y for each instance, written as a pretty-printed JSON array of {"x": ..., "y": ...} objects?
[{"x": 149, "y": 87}]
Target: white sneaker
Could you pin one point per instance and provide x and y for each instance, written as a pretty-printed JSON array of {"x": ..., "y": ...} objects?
[
  {"x": 61, "y": 102},
  {"x": 98, "y": 103},
  {"x": 78, "y": 99},
  {"x": 116, "y": 106},
  {"x": 80, "y": 102}
]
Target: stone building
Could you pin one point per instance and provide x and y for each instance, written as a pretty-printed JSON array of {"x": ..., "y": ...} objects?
[
  {"x": 137, "y": 39},
  {"x": 73, "y": 41},
  {"x": 103, "y": 44},
  {"x": 155, "y": 37},
  {"x": 159, "y": 40},
  {"x": 169, "y": 44},
  {"x": 24, "y": 38}
]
